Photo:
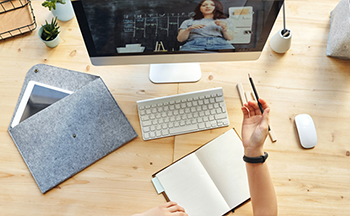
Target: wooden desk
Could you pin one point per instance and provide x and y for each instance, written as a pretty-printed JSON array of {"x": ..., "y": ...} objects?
[{"x": 304, "y": 80}]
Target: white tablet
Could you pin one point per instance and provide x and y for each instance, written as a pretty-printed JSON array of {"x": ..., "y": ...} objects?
[{"x": 37, "y": 97}]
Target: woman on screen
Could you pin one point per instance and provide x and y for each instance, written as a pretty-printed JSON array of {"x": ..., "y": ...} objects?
[{"x": 209, "y": 29}]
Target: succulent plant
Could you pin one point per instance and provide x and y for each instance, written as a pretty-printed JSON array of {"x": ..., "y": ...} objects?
[
  {"x": 51, "y": 4},
  {"x": 50, "y": 30}
]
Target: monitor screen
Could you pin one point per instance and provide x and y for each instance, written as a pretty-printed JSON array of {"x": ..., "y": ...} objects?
[{"x": 174, "y": 31}]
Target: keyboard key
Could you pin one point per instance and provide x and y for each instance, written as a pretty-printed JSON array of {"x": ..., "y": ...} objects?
[
  {"x": 220, "y": 116},
  {"x": 145, "y": 118},
  {"x": 219, "y": 99},
  {"x": 165, "y": 132},
  {"x": 146, "y": 123},
  {"x": 146, "y": 129},
  {"x": 183, "y": 129}
]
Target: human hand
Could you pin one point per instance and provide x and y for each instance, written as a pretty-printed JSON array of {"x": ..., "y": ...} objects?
[
  {"x": 166, "y": 209},
  {"x": 222, "y": 24},
  {"x": 254, "y": 127},
  {"x": 197, "y": 26}
]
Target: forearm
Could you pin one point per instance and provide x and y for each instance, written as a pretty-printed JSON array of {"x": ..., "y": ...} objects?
[
  {"x": 228, "y": 34},
  {"x": 183, "y": 35},
  {"x": 254, "y": 133},
  {"x": 262, "y": 191}
]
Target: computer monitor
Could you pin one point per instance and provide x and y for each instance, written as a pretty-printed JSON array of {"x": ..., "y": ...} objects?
[{"x": 119, "y": 32}]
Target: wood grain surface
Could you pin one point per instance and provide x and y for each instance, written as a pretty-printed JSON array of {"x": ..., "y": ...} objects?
[{"x": 303, "y": 80}]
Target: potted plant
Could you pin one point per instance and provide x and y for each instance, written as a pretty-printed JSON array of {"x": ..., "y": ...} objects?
[
  {"x": 49, "y": 33},
  {"x": 62, "y": 9}
]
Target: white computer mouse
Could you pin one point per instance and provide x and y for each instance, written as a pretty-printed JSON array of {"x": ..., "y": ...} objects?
[{"x": 306, "y": 130}]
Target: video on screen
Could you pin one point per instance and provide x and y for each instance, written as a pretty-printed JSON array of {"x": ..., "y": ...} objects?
[{"x": 121, "y": 27}]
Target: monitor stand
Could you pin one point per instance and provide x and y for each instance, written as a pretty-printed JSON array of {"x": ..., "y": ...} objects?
[{"x": 175, "y": 72}]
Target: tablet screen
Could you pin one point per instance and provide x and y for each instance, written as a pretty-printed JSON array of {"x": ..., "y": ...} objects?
[{"x": 37, "y": 97}]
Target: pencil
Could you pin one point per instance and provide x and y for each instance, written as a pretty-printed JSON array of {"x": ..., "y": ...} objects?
[
  {"x": 255, "y": 93},
  {"x": 244, "y": 101}
]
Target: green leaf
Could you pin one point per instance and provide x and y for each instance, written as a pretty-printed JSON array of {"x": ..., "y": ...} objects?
[
  {"x": 50, "y": 30},
  {"x": 51, "y": 4}
]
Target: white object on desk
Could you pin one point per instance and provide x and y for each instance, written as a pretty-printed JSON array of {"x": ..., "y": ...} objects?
[
  {"x": 241, "y": 94},
  {"x": 210, "y": 181},
  {"x": 281, "y": 43},
  {"x": 175, "y": 72},
  {"x": 306, "y": 130},
  {"x": 64, "y": 12},
  {"x": 182, "y": 113}
]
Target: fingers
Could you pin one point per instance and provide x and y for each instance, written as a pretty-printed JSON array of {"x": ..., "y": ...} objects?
[
  {"x": 180, "y": 214},
  {"x": 174, "y": 207},
  {"x": 197, "y": 26},
  {"x": 254, "y": 105},
  {"x": 263, "y": 103},
  {"x": 222, "y": 24},
  {"x": 253, "y": 108},
  {"x": 245, "y": 112},
  {"x": 169, "y": 204},
  {"x": 218, "y": 22}
]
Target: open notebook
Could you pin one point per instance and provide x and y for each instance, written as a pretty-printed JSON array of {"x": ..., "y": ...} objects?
[{"x": 210, "y": 181}]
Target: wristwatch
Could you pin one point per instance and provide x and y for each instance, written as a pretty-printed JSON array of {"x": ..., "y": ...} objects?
[{"x": 260, "y": 159}]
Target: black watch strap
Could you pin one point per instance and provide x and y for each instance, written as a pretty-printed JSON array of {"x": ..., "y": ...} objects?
[{"x": 260, "y": 159}]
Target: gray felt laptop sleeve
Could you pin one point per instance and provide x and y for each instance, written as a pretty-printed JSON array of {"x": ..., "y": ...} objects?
[{"x": 71, "y": 134}]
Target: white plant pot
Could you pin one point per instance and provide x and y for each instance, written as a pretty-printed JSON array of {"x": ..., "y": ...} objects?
[
  {"x": 280, "y": 43},
  {"x": 52, "y": 43},
  {"x": 64, "y": 12}
]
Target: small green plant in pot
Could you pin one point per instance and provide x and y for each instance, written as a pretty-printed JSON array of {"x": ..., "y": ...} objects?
[
  {"x": 62, "y": 9},
  {"x": 49, "y": 33},
  {"x": 51, "y": 4}
]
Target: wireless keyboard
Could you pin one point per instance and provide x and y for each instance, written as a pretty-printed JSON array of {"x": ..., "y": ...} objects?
[{"x": 182, "y": 113}]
